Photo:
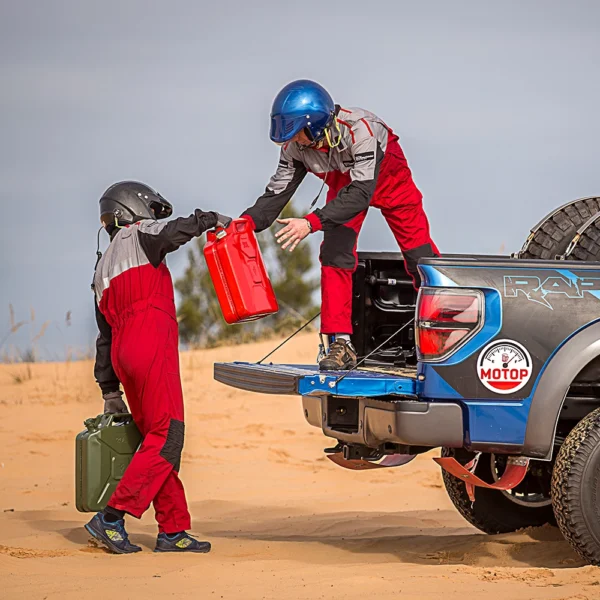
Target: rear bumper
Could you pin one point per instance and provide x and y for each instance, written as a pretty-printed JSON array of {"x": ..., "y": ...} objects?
[
  {"x": 365, "y": 407},
  {"x": 373, "y": 422}
]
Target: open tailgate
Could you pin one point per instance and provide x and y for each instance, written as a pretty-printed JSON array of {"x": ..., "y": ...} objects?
[{"x": 308, "y": 380}]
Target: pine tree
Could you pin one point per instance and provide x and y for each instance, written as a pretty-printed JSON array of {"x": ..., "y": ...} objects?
[{"x": 200, "y": 318}]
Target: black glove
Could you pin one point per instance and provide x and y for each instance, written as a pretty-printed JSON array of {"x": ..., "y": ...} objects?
[
  {"x": 223, "y": 221},
  {"x": 113, "y": 403}
]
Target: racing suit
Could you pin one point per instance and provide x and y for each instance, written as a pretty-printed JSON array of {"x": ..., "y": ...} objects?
[
  {"x": 365, "y": 167},
  {"x": 138, "y": 347}
]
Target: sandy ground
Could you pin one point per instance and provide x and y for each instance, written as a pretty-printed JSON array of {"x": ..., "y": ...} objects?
[{"x": 284, "y": 522}]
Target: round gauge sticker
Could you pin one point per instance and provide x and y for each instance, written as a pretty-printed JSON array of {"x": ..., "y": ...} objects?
[{"x": 504, "y": 366}]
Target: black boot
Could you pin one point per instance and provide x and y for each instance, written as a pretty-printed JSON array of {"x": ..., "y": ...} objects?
[{"x": 341, "y": 357}]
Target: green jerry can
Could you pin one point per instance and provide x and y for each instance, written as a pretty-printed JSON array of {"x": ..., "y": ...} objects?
[{"x": 102, "y": 453}]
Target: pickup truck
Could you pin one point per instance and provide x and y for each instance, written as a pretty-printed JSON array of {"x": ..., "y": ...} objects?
[{"x": 496, "y": 361}]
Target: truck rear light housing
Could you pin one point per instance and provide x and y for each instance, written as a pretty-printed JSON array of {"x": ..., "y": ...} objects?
[{"x": 446, "y": 319}]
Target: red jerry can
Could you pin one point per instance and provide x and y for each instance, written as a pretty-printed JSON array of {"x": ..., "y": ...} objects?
[{"x": 238, "y": 273}]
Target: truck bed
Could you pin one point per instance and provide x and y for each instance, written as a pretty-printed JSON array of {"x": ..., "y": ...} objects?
[{"x": 308, "y": 380}]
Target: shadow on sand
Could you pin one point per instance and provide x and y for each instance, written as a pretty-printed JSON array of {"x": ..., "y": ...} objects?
[{"x": 417, "y": 537}]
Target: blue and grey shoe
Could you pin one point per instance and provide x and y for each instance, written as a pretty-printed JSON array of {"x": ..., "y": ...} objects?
[
  {"x": 180, "y": 542},
  {"x": 112, "y": 535}
]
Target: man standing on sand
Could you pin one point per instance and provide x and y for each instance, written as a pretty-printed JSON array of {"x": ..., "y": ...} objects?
[
  {"x": 138, "y": 347},
  {"x": 358, "y": 156}
]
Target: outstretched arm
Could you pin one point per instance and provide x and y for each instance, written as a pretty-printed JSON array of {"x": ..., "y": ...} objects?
[{"x": 159, "y": 238}]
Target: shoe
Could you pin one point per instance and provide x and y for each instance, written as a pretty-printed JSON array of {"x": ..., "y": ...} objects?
[
  {"x": 180, "y": 542},
  {"x": 341, "y": 356},
  {"x": 112, "y": 535}
]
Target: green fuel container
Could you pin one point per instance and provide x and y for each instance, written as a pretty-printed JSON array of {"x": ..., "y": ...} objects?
[{"x": 102, "y": 453}]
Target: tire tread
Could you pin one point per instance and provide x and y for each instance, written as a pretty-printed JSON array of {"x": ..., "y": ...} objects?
[
  {"x": 567, "y": 478},
  {"x": 491, "y": 512},
  {"x": 554, "y": 236}
]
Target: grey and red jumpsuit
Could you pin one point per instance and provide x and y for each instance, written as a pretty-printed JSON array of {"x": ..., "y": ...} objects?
[
  {"x": 366, "y": 168},
  {"x": 138, "y": 347}
]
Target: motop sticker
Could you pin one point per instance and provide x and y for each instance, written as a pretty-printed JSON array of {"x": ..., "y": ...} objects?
[{"x": 504, "y": 366}]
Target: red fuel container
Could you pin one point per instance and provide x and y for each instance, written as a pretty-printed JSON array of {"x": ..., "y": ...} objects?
[{"x": 238, "y": 273}]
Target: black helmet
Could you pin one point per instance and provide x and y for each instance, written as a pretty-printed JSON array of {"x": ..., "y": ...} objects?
[{"x": 132, "y": 201}]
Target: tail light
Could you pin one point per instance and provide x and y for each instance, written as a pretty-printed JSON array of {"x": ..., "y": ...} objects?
[{"x": 446, "y": 319}]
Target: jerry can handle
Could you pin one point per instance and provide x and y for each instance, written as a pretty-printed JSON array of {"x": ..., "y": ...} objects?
[
  {"x": 242, "y": 225},
  {"x": 108, "y": 419},
  {"x": 105, "y": 420},
  {"x": 238, "y": 225}
]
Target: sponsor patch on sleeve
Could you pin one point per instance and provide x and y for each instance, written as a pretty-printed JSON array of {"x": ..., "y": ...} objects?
[{"x": 364, "y": 156}]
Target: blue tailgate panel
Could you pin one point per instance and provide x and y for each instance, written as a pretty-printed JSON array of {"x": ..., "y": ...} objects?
[
  {"x": 308, "y": 380},
  {"x": 356, "y": 384}
]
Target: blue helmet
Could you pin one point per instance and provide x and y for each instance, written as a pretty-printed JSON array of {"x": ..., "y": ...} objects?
[{"x": 301, "y": 104}]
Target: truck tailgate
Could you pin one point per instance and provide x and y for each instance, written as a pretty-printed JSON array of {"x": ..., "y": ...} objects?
[{"x": 308, "y": 380}]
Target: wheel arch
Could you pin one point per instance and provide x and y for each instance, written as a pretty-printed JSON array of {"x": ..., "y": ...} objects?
[{"x": 552, "y": 387}]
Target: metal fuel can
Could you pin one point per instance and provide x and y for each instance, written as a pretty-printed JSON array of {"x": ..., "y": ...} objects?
[{"x": 102, "y": 453}]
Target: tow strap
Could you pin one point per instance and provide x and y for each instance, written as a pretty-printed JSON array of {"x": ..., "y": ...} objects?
[{"x": 515, "y": 472}]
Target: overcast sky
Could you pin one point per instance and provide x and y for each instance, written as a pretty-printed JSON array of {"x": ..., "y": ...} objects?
[{"x": 496, "y": 106}]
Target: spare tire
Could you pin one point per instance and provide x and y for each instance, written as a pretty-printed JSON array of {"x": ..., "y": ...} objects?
[
  {"x": 586, "y": 243},
  {"x": 552, "y": 236}
]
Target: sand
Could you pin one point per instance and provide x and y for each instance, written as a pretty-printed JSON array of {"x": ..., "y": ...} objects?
[{"x": 284, "y": 521}]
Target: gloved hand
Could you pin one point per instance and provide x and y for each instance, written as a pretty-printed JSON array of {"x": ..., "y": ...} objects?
[
  {"x": 113, "y": 403},
  {"x": 223, "y": 221}
]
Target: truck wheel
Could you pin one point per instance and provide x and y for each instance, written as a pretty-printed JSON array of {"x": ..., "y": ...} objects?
[
  {"x": 576, "y": 488},
  {"x": 528, "y": 505},
  {"x": 552, "y": 236}
]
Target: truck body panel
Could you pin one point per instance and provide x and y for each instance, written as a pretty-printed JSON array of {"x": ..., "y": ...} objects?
[
  {"x": 534, "y": 304},
  {"x": 547, "y": 313}
]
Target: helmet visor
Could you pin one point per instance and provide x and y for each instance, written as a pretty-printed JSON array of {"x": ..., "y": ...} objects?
[
  {"x": 162, "y": 207},
  {"x": 284, "y": 129}
]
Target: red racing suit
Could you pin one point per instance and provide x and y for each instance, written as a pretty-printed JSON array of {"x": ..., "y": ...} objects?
[
  {"x": 138, "y": 347},
  {"x": 365, "y": 167}
]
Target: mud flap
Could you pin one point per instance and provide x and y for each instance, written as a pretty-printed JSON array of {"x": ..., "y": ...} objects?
[
  {"x": 516, "y": 469},
  {"x": 360, "y": 464}
]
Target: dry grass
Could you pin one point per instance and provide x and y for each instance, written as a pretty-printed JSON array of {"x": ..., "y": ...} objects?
[
  {"x": 30, "y": 354},
  {"x": 23, "y": 375}
]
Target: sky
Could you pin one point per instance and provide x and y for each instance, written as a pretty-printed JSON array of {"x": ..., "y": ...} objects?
[{"x": 495, "y": 103}]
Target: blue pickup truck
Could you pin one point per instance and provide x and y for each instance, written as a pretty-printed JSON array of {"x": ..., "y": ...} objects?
[{"x": 496, "y": 361}]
